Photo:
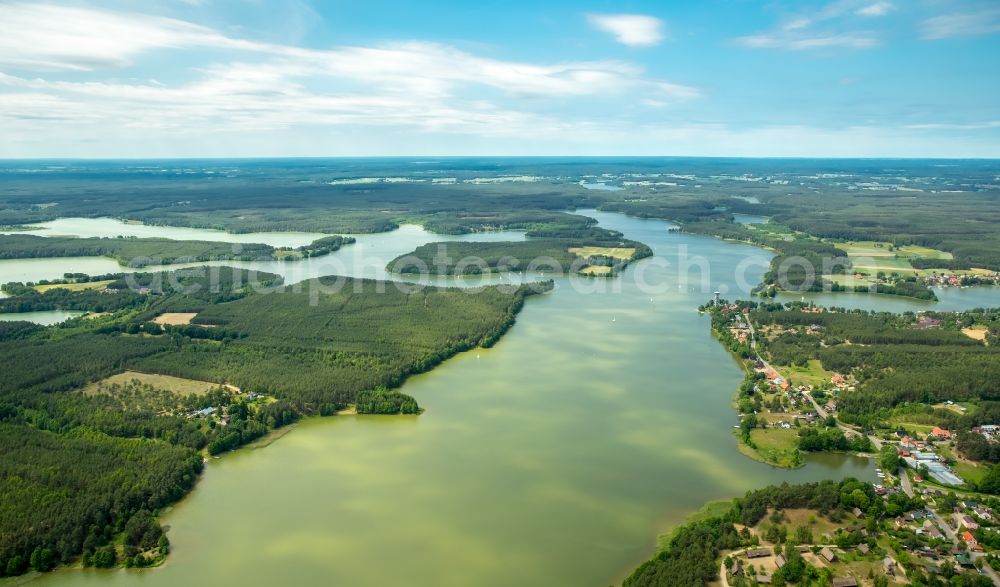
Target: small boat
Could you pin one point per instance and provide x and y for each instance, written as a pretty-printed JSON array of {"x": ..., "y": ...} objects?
[{"x": 612, "y": 318}]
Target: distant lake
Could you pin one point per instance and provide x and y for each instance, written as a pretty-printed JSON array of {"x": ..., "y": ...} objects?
[
  {"x": 749, "y": 219},
  {"x": 600, "y": 185},
  {"x": 46, "y": 318},
  {"x": 112, "y": 227}
]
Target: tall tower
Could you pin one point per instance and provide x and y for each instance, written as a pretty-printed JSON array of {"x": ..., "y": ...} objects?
[{"x": 717, "y": 294}]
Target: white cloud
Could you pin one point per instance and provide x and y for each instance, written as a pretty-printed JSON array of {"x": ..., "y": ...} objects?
[
  {"x": 827, "y": 27},
  {"x": 955, "y": 126},
  {"x": 962, "y": 24},
  {"x": 248, "y": 86},
  {"x": 795, "y": 42},
  {"x": 634, "y": 30},
  {"x": 876, "y": 9},
  {"x": 44, "y": 37}
]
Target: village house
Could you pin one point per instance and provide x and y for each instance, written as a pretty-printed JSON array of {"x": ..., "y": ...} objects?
[
  {"x": 758, "y": 552},
  {"x": 828, "y": 555},
  {"x": 970, "y": 539},
  {"x": 941, "y": 433},
  {"x": 763, "y": 579},
  {"x": 779, "y": 561},
  {"x": 889, "y": 566},
  {"x": 969, "y": 523},
  {"x": 845, "y": 582}
]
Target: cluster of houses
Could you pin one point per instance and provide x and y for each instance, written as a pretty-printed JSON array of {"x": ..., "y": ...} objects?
[
  {"x": 956, "y": 280},
  {"x": 989, "y": 431},
  {"x": 211, "y": 411},
  {"x": 763, "y": 561},
  {"x": 768, "y": 559},
  {"x": 967, "y": 516}
]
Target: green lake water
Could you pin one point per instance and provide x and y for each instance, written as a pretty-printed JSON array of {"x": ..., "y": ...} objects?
[{"x": 555, "y": 458}]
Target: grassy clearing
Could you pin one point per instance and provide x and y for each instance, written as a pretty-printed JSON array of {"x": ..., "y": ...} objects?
[
  {"x": 911, "y": 426},
  {"x": 865, "y": 249},
  {"x": 623, "y": 253},
  {"x": 812, "y": 374},
  {"x": 777, "y": 446},
  {"x": 596, "y": 270},
  {"x": 283, "y": 254},
  {"x": 74, "y": 286},
  {"x": 176, "y": 385},
  {"x": 810, "y": 518},
  {"x": 915, "y": 251},
  {"x": 850, "y": 280},
  {"x": 175, "y": 318},
  {"x": 969, "y": 472},
  {"x": 976, "y": 332}
]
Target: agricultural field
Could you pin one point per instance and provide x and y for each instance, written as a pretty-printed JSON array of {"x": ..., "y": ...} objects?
[
  {"x": 79, "y": 286},
  {"x": 620, "y": 253},
  {"x": 175, "y": 318}
]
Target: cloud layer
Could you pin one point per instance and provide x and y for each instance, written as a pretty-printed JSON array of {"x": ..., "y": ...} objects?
[
  {"x": 262, "y": 86},
  {"x": 98, "y": 82}
]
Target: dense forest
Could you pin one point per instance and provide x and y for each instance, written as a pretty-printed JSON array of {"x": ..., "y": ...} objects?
[
  {"x": 143, "y": 252},
  {"x": 311, "y": 348}
]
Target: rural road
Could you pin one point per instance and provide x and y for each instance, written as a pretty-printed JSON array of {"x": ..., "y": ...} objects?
[{"x": 904, "y": 481}]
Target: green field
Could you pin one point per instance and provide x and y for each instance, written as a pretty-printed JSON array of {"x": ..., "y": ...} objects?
[
  {"x": 777, "y": 446},
  {"x": 83, "y": 285},
  {"x": 873, "y": 256},
  {"x": 812, "y": 374}
]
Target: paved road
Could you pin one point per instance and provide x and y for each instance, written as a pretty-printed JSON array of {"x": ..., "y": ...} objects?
[{"x": 904, "y": 482}]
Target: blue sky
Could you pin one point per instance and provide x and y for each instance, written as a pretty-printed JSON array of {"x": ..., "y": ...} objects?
[{"x": 867, "y": 78}]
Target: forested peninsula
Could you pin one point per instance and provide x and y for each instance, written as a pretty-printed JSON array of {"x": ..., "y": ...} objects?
[
  {"x": 143, "y": 252},
  {"x": 105, "y": 419}
]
